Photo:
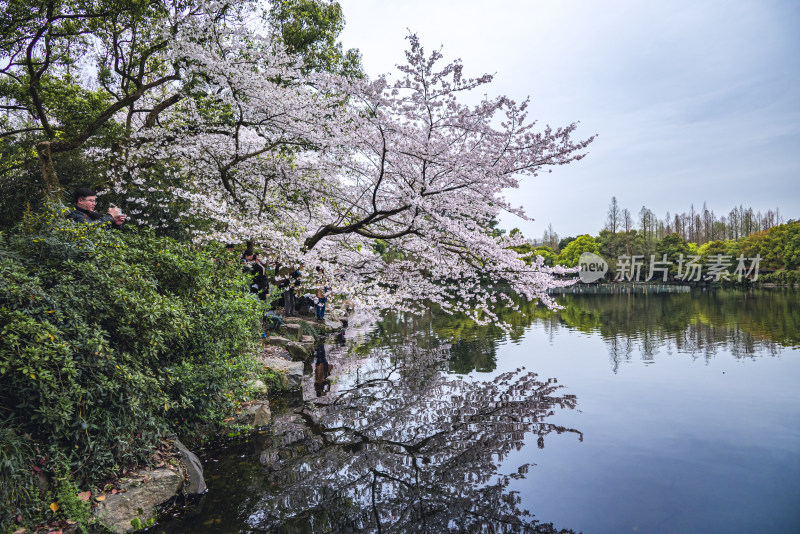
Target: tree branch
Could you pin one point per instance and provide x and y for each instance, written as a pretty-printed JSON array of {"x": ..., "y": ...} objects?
[{"x": 152, "y": 117}]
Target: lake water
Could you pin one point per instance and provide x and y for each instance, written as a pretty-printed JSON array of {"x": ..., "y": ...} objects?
[{"x": 642, "y": 413}]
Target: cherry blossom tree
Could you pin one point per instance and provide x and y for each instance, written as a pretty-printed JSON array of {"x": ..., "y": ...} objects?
[
  {"x": 426, "y": 172},
  {"x": 77, "y": 75},
  {"x": 332, "y": 171},
  {"x": 228, "y": 152},
  {"x": 212, "y": 129}
]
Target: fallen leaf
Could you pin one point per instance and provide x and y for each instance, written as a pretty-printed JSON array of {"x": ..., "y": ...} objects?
[
  {"x": 85, "y": 495},
  {"x": 114, "y": 491},
  {"x": 54, "y": 507},
  {"x": 21, "y": 531},
  {"x": 100, "y": 498},
  {"x": 55, "y": 532}
]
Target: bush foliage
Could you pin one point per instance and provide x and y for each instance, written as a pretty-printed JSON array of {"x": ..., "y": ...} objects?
[{"x": 109, "y": 339}]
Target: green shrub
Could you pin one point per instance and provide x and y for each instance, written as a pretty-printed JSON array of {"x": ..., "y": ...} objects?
[
  {"x": 70, "y": 505},
  {"x": 781, "y": 277},
  {"x": 18, "y": 495},
  {"x": 109, "y": 339}
]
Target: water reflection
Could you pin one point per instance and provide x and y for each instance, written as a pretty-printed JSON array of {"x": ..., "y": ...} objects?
[
  {"x": 403, "y": 436},
  {"x": 408, "y": 447},
  {"x": 322, "y": 371},
  {"x": 746, "y": 324}
]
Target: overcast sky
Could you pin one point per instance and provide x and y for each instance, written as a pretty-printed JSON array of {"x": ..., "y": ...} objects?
[{"x": 693, "y": 101}]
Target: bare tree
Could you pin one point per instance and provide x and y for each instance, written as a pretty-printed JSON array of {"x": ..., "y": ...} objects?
[
  {"x": 614, "y": 215},
  {"x": 550, "y": 237},
  {"x": 627, "y": 220}
]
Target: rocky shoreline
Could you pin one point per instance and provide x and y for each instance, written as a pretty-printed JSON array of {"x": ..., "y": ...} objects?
[{"x": 135, "y": 504}]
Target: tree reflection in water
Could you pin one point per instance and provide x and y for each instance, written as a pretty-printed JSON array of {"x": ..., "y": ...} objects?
[
  {"x": 408, "y": 447},
  {"x": 745, "y": 324},
  {"x": 401, "y": 441}
]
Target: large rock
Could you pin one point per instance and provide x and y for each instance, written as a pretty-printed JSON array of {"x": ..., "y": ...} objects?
[
  {"x": 307, "y": 339},
  {"x": 293, "y": 370},
  {"x": 262, "y": 415},
  {"x": 298, "y": 350},
  {"x": 258, "y": 386},
  {"x": 308, "y": 325},
  {"x": 194, "y": 470},
  {"x": 333, "y": 324},
  {"x": 293, "y": 329},
  {"x": 145, "y": 491},
  {"x": 257, "y": 414},
  {"x": 277, "y": 341}
]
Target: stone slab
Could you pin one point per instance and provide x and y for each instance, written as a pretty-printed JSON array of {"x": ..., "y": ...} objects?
[
  {"x": 193, "y": 468},
  {"x": 299, "y": 351},
  {"x": 145, "y": 491},
  {"x": 292, "y": 329},
  {"x": 293, "y": 370},
  {"x": 333, "y": 324},
  {"x": 277, "y": 341}
]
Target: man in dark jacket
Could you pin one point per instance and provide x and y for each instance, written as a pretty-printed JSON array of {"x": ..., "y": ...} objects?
[
  {"x": 85, "y": 201},
  {"x": 260, "y": 283}
]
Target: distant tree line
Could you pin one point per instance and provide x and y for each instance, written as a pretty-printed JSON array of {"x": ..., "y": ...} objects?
[
  {"x": 696, "y": 226},
  {"x": 700, "y": 234}
]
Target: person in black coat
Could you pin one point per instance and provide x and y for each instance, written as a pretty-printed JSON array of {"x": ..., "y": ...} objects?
[
  {"x": 296, "y": 280},
  {"x": 85, "y": 202},
  {"x": 260, "y": 283},
  {"x": 283, "y": 280}
]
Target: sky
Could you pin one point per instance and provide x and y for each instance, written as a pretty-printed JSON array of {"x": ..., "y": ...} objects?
[{"x": 692, "y": 101}]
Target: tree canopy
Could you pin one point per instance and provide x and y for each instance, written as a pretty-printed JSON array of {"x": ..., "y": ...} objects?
[
  {"x": 571, "y": 254},
  {"x": 235, "y": 122}
]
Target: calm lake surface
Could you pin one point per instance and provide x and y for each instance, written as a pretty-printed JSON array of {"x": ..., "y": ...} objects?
[{"x": 643, "y": 413}]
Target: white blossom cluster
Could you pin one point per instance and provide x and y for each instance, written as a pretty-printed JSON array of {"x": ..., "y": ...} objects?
[{"x": 391, "y": 187}]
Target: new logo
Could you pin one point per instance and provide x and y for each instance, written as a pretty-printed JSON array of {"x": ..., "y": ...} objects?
[{"x": 592, "y": 267}]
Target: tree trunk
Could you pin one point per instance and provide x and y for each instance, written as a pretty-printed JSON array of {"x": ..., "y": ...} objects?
[{"x": 49, "y": 176}]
